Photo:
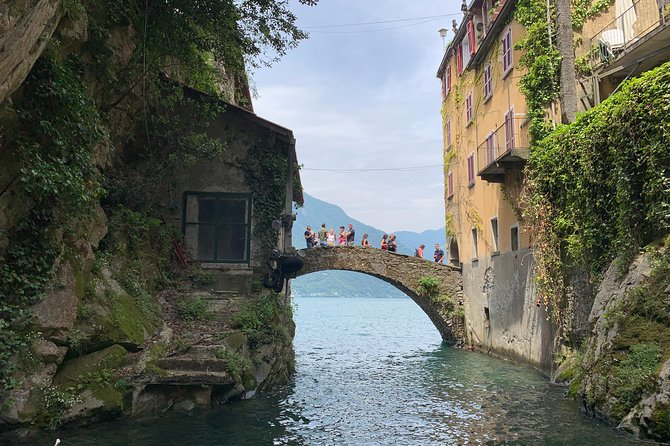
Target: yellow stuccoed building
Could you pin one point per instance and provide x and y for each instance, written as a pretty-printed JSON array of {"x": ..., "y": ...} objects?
[{"x": 487, "y": 144}]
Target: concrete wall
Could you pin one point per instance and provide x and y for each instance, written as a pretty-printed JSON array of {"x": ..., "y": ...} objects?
[{"x": 516, "y": 328}]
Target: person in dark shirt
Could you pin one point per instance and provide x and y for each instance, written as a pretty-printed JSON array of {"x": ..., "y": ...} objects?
[
  {"x": 439, "y": 254},
  {"x": 385, "y": 244},
  {"x": 309, "y": 237},
  {"x": 392, "y": 245},
  {"x": 350, "y": 234}
]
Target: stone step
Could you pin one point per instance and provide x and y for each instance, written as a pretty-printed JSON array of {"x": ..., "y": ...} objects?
[
  {"x": 190, "y": 364},
  {"x": 190, "y": 378},
  {"x": 205, "y": 351}
]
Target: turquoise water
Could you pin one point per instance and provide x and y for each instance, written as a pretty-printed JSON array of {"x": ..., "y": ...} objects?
[{"x": 374, "y": 372}]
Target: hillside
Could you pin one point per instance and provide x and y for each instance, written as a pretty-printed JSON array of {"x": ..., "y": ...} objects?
[{"x": 344, "y": 283}]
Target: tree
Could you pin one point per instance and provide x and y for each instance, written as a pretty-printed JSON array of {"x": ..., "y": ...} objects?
[{"x": 565, "y": 45}]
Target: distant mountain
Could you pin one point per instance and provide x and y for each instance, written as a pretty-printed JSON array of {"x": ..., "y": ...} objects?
[
  {"x": 315, "y": 212},
  {"x": 345, "y": 283}
]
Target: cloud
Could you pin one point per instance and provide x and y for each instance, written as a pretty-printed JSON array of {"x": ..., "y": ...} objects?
[{"x": 365, "y": 101}]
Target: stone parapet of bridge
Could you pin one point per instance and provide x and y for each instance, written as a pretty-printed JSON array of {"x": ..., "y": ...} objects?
[{"x": 444, "y": 307}]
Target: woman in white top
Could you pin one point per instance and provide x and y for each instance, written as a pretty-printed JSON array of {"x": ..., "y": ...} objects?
[{"x": 330, "y": 239}]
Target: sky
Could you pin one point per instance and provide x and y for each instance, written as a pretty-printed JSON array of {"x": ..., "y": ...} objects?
[{"x": 366, "y": 97}]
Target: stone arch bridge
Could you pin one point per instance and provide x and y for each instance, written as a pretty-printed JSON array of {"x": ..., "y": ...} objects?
[{"x": 444, "y": 307}]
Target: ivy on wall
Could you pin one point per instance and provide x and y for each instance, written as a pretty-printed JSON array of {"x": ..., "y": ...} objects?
[
  {"x": 265, "y": 172},
  {"x": 60, "y": 126},
  {"x": 599, "y": 188}
]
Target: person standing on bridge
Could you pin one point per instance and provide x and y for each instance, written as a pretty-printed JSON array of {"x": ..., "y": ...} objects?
[
  {"x": 331, "y": 237},
  {"x": 342, "y": 237},
  {"x": 309, "y": 237},
  {"x": 364, "y": 242},
  {"x": 392, "y": 246},
  {"x": 418, "y": 252},
  {"x": 323, "y": 236},
  {"x": 439, "y": 254},
  {"x": 384, "y": 246},
  {"x": 350, "y": 234}
]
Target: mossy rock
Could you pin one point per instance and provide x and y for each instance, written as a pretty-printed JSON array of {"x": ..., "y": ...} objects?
[
  {"x": 658, "y": 425},
  {"x": 72, "y": 370},
  {"x": 236, "y": 341},
  {"x": 119, "y": 320}
]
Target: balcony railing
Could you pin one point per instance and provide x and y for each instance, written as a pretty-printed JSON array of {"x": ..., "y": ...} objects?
[
  {"x": 507, "y": 148},
  {"x": 634, "y": 19}
]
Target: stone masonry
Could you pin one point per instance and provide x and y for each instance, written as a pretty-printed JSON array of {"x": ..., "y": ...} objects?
[{"x": 401, "y": 271}]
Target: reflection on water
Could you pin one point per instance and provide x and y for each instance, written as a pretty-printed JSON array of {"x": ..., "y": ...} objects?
[{"x": 374, "y": 372}]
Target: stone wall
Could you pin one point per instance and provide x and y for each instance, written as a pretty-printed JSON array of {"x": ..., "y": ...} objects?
[
  {"x": 501, "y": 312},
  {"x": 403, "y": 272}
]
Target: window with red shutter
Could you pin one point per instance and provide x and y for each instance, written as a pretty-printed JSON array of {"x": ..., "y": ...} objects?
[
  {"x": 444, "y": 87},
  {"x": 471, "y": 37},
  {"x": 448, "y": 79},
  {"x": 471, "y": 170},
  {"x": 450, "y": 185},
  {"x": 449, "y": 134},
  {"x": 507, "y": 52},
  {"x": 468, "y": 108}
]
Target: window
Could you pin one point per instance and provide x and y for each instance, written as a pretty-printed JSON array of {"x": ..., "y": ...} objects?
[
  {"x": 471, "y": 37},
  {"x": 474, "y": 244},
  {"x": 459, "y": 59},
  {"x": 507, "y": 52},
  {"x": 509, "y": 129},
  {"x": 444, "y": 87},
  {"x": 465, "y": 52},
  {"x": 448, "y": 78},
  {"x": 490, "y": 149},
  {"x": 448, "y": 134},
  {"x": 494, "y": 234},
  {"x": 217, "y": 226},
  {"x": 488, "y": 82},
  {"x": 468, "y": 108},
  {"x": 471, "y": 170},
  {"x": 514, "y": 237},
  {"x": 450, "y": 185}
]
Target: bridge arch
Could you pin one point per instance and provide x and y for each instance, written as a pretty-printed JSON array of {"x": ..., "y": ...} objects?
[{"x": 403, "y": 272}]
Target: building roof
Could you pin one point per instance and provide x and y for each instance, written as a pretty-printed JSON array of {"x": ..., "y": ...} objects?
[
  {"x": 505, "y": 9},
  {"x": 282, "y": 133}
]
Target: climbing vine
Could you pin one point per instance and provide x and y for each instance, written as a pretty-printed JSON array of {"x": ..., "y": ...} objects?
[
  {"x": 265, "y": 172},
  {"x": 599, "y": 188},
  {"x": 60, "y": 126},
  {"x": 540, "y": 83}
]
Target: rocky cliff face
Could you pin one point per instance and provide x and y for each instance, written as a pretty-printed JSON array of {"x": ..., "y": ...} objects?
[
  {"x": 96, "y": 320},
  {"x": 625, "y": 374}
]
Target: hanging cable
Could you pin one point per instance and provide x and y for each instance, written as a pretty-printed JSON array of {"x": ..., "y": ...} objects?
[
  {"x": 379, "y": 22},
  {"x": 372, "y": 169}
]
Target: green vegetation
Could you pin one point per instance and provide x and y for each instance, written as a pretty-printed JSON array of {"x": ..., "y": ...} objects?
[
  {"x": 633, "y": 377},
  {"x": 429, "y": 286},
  {"x": 265, "y": 172},
  {"x": 194, "y": 308},
  {"x": 55, "y": 403},
  {"x": 238, "y": 366},
  {"x": 260, "y": 321},
  {"x": 59, "y": 125},
  {"x": 626, "y": 368},
  {"x": 597, "y": 188}
]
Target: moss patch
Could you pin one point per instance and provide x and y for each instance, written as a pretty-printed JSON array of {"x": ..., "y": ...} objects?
[{"x": 73, "y": 370}]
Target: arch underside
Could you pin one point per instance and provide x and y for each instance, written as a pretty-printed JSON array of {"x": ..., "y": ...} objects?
[{"x": 425, "y": 303}]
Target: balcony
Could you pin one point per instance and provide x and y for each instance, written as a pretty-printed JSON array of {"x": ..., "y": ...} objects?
[
  {"x": 636, "y": 40},
  {"x": 506, "y": 149}
]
